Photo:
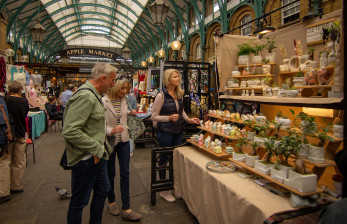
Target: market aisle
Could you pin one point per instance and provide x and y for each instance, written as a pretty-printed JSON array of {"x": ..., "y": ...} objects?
[{"x": 40, "y": 204}]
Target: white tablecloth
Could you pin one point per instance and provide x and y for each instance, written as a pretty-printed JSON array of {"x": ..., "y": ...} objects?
[{"x": 221, "y": 198}]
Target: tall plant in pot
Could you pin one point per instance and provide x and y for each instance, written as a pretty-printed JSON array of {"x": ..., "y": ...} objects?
[
  {"x": 252, "y": 156},
  {"x": 264, "y": 166},
  {"x": 238, "y": 154},
  {"x": 316, "y": 152},
  {"x": 261, "y": 130},
  {"x": 257, "y": 49},
  {"x": 251, "y": 130},
  {"x": 270, "y": 46},
  {"x": 245, "y": 50}
]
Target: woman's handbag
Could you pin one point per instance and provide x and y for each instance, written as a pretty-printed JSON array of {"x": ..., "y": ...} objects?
[{"x": 135, "y": 124}]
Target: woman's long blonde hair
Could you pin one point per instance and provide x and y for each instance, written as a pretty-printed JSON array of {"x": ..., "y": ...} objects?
[
  {"x": 178, "y": 91},
  {"x": 120, "y": 81}
]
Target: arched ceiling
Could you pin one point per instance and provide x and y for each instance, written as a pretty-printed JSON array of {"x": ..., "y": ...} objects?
[{"x": 88, "y": 23}]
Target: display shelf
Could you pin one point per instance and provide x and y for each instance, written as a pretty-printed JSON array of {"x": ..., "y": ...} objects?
[
  {"x": 211, "y": 152},
  {"x": 243, "y": 165},
  {"x": 332, "y": 103},
  {"x": 226, "y": 119},
  {"x": 327, "y": 163},
  {"x": 217, "y": 133},
  {"x": 245, "y": 88},
  {"x": 313, "y": 87},
  {"x": 250, "y": 76},
  {"x": 252, "y": 65}
]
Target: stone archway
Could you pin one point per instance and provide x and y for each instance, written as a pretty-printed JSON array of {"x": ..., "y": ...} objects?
[
  {"x": 194, "y": 42},
  {"x": 210, "y": 50},
  {"x": 237, "y": 16}
]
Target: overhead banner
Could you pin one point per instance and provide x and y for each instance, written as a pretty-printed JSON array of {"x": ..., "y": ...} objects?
[{"x": 88, "y": 51}]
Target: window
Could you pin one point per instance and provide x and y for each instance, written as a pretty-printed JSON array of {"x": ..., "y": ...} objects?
[
  {"x": 183, "y": 55},
  {"x": 246, "y": 30},
  {"x": 198, "y": 51},
  {"x": 291, "y": 12},
  {"x": 215, "y": 7}
]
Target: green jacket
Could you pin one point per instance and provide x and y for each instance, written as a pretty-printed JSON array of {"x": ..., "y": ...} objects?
[{"x": 84, "y": 126}]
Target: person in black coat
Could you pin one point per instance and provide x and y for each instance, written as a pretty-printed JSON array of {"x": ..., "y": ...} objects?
[{"x": 52, "y": 109}]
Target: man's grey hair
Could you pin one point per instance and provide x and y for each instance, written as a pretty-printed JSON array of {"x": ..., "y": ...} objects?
[{"x": 102, "y": 68}]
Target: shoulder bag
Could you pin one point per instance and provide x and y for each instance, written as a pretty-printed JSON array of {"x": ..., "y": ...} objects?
[
  {"x": 63, "y": 160},
  {"x": 135, "y": 124}
]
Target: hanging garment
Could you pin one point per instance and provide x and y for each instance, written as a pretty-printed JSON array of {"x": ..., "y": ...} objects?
[{"x": 2, "y": 74}]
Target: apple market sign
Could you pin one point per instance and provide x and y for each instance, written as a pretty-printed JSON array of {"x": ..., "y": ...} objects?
[{"x": 88, "y": 51}]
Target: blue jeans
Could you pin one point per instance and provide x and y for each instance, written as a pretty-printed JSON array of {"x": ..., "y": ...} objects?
[
  {"x": 122, "y": 150},
  {"x": 85, "y": 177},
  {"x": 167, "y": 140}
]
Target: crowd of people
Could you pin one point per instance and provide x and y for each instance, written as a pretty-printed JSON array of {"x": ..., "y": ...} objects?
[{"x": 96, "y": 134}]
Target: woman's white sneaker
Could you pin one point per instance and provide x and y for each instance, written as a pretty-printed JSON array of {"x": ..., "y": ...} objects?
[{"x": 167, "y": 196}]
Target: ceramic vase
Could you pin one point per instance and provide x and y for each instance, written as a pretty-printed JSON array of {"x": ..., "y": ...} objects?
[{"x": 243, "y": 59}]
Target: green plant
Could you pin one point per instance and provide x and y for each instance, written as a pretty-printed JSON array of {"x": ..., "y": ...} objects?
[
  {"x": 270, "y": 45},
  {"x": 278, "y": 126},
  {"x": 257, "y": 47},
  {"x": 251, "y": 125},
  {"x": 323, "y": 136},
  {"x": 279, "y": 114},
  {"x": 265, "y": 61},
  {"x": 261, "y": 129},
  {"x": 267, "y": 79},
  {"x": 290, "y": 145},
  {"x": 299, "y": 74},
  {"x": 333, "y": 32},
  {"x": 254, "y": 148},
  {"x": 306, "y": 123},
  {"x": 245, "y": 49},
  {"x": 270, "y": 149},
  {"x": 241, "y": 141},
  {"x": 311, "y": 53}
]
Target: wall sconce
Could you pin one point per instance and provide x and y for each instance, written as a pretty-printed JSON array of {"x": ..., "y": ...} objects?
[{"x": 262, "y": 30}]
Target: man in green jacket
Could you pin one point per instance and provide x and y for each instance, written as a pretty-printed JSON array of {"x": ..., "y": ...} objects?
[{"x": 86, "y": 145}]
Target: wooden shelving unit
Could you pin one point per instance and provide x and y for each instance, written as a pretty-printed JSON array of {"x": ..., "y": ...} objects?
[
  {"x": 211, "y": 152},
  {"x": 250, "y": 76},
  {"x": 243, "y": 165},
  {"x": 217, "y": 133}
]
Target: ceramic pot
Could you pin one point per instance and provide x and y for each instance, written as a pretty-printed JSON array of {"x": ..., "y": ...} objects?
[
  {"x": 250, "y": 135},
  {"x": 243, "y": 59},
  {"x": 266, "y": 69},
  {"x": 241, "y": 157},
  {"x": 292, "y": 93},
  {"x": 271, "y": 57},
  {"x": 316, "y": 154},
  {"x": 323, "y": 60},
  {"x": 260, "y": 120},
  {"x": 303, "y": 183},
  {"x": 263, "y": 168},
  {"x": 250, "y": 160},
  {"x": 299, "y": 81},
  {"x": 304, "y": 149},
  {"x": 275, "y": 91},
  {"x": 235, "y": 73},
  {"x": 261, "y": 140},
  {"x": 285, "y": 122},
  {"x": 338, "y": 130},
  {"x": 284, "y": 68},
  {"x": 257, "y": 59},
  {"x": 281, "y": 173}
]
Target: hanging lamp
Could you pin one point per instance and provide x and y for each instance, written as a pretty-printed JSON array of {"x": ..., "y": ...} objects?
[{"x": 158, "y": 10}]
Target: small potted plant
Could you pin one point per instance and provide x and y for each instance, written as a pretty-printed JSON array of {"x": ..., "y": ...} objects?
[
  {"x": 252, "y": 156},
  {"x": 283, "y": 52},
  {"x": 244, "y": 52},
  {"x": 270, "y": 46},
  {"x": 338, "y": 128},
  {"x": 261, "y": 119},
  {"x": 251, "y": 130},
  {"x": 264, "y": 166},
  {"x": 261, "y": 132},
  {"x": 316, "y": 152},
  {"x": 299, "y": 79},
  {"x": 238, "y": 154},
  {"x": 257, "y": 49},
  {"x": 266, "y": 66},
  {"x": 307, "y": 123}
]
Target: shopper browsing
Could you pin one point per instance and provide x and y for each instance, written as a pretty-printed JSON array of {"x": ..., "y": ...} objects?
[
  {"x": 12, "y": 163},
  {"x": 118, "y": 136},
  {"x": 65, "y": 96},
  {"x": 169, "y": 116},
  {"x": 86, "y": 145}
]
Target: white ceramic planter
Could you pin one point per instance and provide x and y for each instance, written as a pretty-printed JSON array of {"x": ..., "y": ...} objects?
[
  {"x": 250, "y": 135},
  {"x": 235, "y": 73},
  {"x": 279, "y": 175},
  {"x": 243, "y": 59},
  {"x": 261, "y": 140},
  {"x": 338, "y": 130},
  {"x": 302, "y": 183},
  {"x": 299, "y": 81},
  {"x": 285, "y": 122},
  {"x": 260, "y": 120},
  {"x": 292, "y": 93},
  {"x": 316, "y": 154},
  {"x": 263, "y": 168},
  {"x": 257, "y": 59},
  {"x": 284, "y": 68},
  {"x": 250, "y": 160},
  {"x": 271, "y": 57},
  {"x": 241, "y": 157},
  {"x": 266, "y": 69},
  {"x": 304, "y": 149}
]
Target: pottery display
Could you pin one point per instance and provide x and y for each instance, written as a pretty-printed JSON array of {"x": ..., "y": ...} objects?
[
  {"x": 263, "y": 168},
  {"x": 241, "y": 157},
  {"x": 338, "y": 130},
  {"x": 257, "y": 59},
  {"x": 303, "y": 183},
  {"x": 316, "y": 154},
  {"x": 299, "y": 81},
  {"x": 250, "y": 160},
  {"x": 292, "y": 93},
  {"x": 243, "y": 59}
]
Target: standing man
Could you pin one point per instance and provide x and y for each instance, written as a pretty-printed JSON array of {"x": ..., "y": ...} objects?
[
  {"x": 65, "y": 96},
  {"x": 86, "y": 146}
]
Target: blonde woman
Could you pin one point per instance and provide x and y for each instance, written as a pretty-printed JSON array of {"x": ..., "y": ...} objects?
[
  {"x": 169, "y": 116},
  {"x": 116, "y": 107}
]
